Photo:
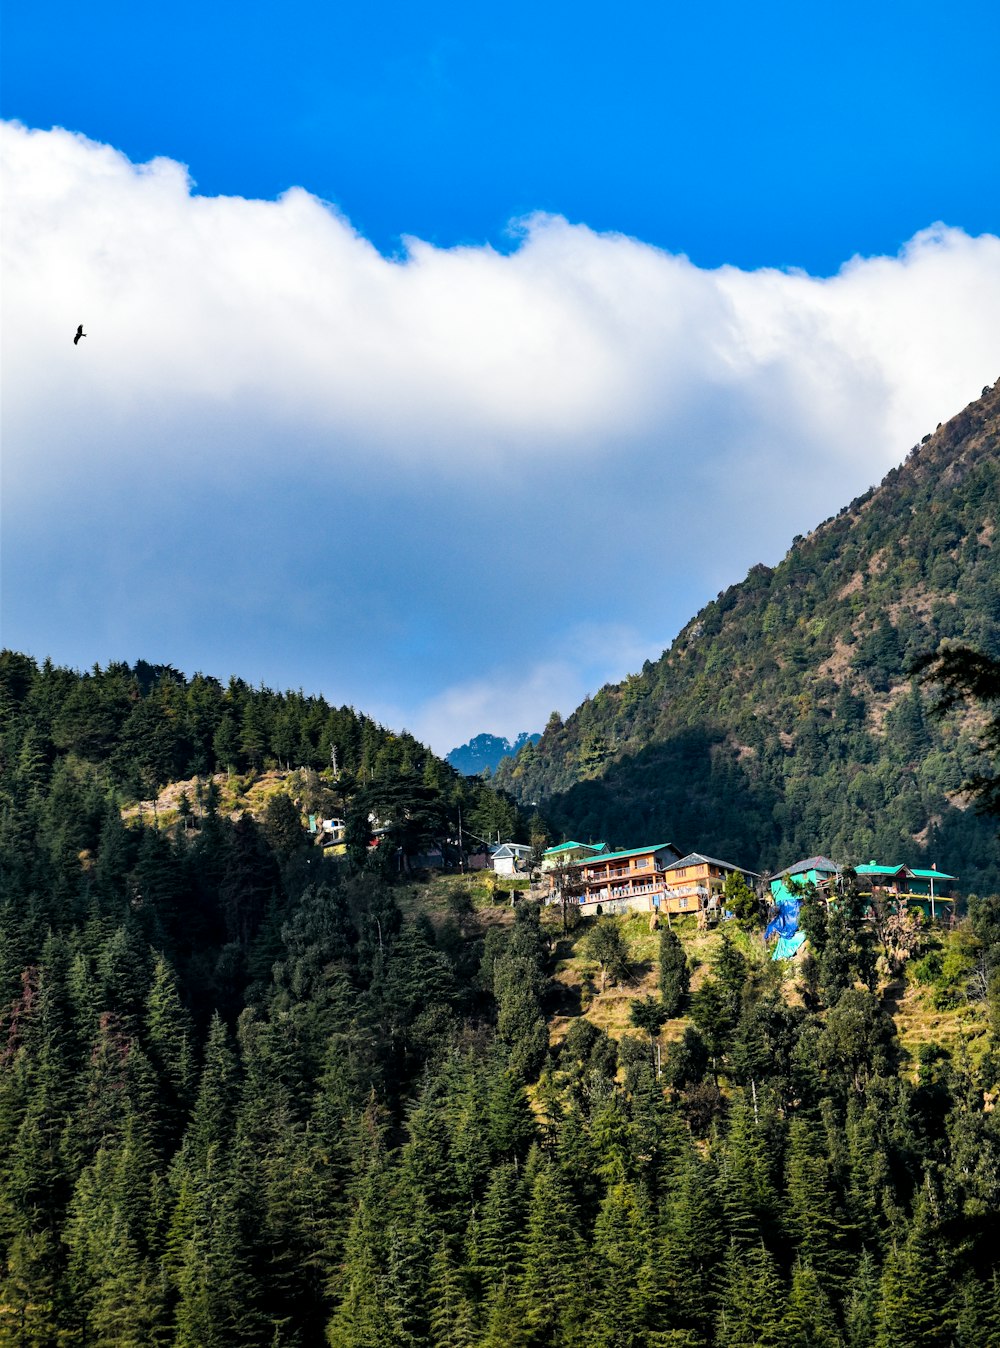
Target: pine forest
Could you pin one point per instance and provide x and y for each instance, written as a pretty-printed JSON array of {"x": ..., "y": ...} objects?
[{"x": 260, "y": 1093}]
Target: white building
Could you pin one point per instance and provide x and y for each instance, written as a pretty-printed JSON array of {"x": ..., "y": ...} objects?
[{"x": 509, "y": 858}]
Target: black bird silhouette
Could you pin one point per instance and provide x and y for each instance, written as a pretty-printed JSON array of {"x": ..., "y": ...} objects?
[{"x": 79, "y": 333}]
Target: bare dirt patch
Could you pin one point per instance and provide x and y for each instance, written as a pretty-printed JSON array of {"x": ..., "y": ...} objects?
[{"x": 852, "y": 587}]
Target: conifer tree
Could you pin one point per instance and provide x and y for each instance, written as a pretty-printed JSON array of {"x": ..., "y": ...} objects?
[
  {"x": 577, "y": 1155},
  {"x": 361, "y": 1319},
  {"x": 977, "y": 1307},
  {"x": 411, "y": 1237},
  {"x": 861, "y": 1303},
  {"x": 504, "y": 1327},
  {"x": 169, "y": 1035},
  {"x": 30, "y": 1289},
  {"x": 510, "y": 1120},
  {"x": 552, "y": 1292},
  {"x": 494, "y": 1245},
  {"x": 691, "y": 1244},
  {"x": 208, "y": 1242},
  {"x": 916, "y": 1303},
  {"x": 809, "y": 1321},
  {"x": 752, "y": 1297},
  {"x": 674, "y": 977},
  {"x": 623, "y": 1272},
  {"x": 451, "y": 1318},
  {"x": 811, "y": 1218},
  {"x": 124, "y": 967},
  {"x": 213, "y": 1116},
  {"x": 113, "y": 1235},
  {"x": 745, "y": 1177}
]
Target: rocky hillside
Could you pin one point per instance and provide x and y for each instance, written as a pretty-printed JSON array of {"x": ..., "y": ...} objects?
[{"x": 782, "y": 720}]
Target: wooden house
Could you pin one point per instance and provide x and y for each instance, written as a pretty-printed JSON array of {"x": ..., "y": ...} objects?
[
  {"x": 926, "y": 890},
  {"x": 620, "y": 882},
  {"x": 695, "y": 882}
]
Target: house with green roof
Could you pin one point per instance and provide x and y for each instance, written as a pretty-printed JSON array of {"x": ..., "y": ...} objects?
[
  {"x": 568, "y": 853},
  {"x": 787, "y": 888},
  {"x": 617, "y": 882},
  {"x": 923, "y": 889}
]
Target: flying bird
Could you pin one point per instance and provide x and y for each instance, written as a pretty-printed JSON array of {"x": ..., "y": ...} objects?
[{"x": 79, "y": 333}]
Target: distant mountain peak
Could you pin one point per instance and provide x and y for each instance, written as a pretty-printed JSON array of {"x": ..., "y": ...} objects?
[{"x": 483, "y": 752}]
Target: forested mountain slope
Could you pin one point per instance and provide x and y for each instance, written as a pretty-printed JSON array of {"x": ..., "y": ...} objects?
[
  {"x": 782, "y": 721},
  {"x": 77, "y": 748},
  {"x": 251, "y": 1097}
]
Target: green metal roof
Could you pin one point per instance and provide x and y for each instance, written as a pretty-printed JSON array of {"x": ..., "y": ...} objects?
[
  {"x": 632, "y": 852},
  {"x": 872, "y": 869},
  {"x": 568, "y": 846}
]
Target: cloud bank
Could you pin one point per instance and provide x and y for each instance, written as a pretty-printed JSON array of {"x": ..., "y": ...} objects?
[{"x": 455, "y": 485}]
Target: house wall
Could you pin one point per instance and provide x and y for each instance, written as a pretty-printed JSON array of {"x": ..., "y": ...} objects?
[
  {"x": 635, "y": 881},
  {"x": 699, "y": 881},
  {"x": 640, "y": 903},
  {"x": 688, "y": 897}
]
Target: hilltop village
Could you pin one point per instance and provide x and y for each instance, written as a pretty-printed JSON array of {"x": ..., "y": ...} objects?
[{"x": 660, "y": 879}]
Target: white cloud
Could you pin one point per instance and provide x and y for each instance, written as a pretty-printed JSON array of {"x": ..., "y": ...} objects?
[
  {"x": 587, "y": 429},
  {"x": 506, "y": 700}
]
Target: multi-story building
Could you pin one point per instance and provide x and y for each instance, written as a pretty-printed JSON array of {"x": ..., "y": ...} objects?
[
  {"x": 618, "y": 882},
  {"x": 695, "y": 882},
  {"x": 646, "y": 879}
]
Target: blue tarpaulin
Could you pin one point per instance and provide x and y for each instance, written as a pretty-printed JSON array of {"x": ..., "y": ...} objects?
[
  {"x": 787, "y": 946},
  {"x": 785, "y": 925}
]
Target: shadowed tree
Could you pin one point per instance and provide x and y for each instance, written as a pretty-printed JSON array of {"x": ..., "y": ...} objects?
[
  {"x": 647, "y": 1014},
  {"x": 607, "y": 947},
  {"x": 966, "y": 675}
]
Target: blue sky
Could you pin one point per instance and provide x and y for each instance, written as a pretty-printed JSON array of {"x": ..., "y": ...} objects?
[
  {"x": 419, "y": 447},
  {"x": 774, "y": 134}
]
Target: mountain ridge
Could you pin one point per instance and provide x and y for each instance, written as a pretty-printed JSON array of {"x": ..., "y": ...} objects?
[{"x": 782, "y": 719}]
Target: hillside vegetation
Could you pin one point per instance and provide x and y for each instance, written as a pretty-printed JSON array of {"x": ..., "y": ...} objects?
[
  {"x": 782, "y": 721},
  {"x": 252, "y": 1096}
]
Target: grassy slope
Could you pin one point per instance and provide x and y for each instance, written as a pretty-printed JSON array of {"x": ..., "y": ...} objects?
[
  {"x": 919, "y": 1023},
  {"x": 576, "y": 989}
]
